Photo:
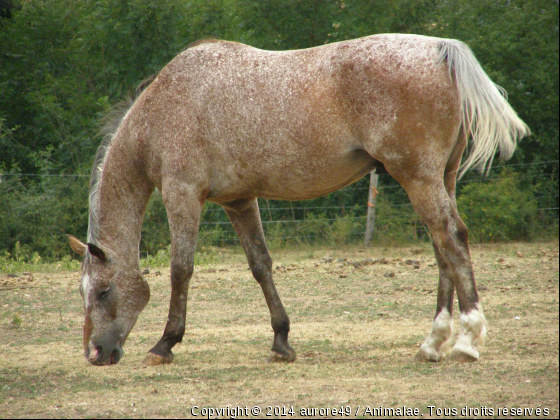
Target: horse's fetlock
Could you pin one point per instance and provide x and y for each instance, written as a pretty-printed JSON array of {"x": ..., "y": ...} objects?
[
  {"x": 177, "y": 336},
  {"x": 282, "y": 326}
]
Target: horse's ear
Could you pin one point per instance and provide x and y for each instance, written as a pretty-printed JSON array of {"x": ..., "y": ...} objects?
[
  {"x": 96, "y": 251},
  {"x": 77, "y": 246}
]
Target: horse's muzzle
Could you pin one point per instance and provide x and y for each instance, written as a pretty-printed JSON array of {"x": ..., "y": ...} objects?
[{"x": 100, "y": 354}]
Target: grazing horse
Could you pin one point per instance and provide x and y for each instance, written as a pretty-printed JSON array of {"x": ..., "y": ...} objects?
[{"x": 228, "y": 123}]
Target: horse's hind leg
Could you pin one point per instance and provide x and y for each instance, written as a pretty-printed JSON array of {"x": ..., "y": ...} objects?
[
  {"x": 246, "y": 221},
  {"x": 437, "y": 209},
  {"x": 183, "y": 205},
  {"x": 434, "y": 347}
]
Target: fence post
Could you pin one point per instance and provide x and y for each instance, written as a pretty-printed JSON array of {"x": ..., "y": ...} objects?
[
  {"x": 269, "y": 212},
  {"x": 372, "y": 198}
]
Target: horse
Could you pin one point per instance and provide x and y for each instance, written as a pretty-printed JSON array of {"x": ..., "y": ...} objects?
[{"x": 228, "y": 123}]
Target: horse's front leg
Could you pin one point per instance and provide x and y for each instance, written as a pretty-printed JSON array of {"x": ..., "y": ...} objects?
[
  {"x": 183, "y": 206},
  {"x": 246, "y": 220}
]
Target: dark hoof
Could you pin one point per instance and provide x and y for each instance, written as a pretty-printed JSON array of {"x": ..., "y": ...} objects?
[
  {"x": 288, "y": 356},
  {"x": 461, "y": 357},
  {"x": 157, "y": 360}
]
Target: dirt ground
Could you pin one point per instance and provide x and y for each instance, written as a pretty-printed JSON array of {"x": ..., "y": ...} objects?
[{"x": 358, "y": 317}]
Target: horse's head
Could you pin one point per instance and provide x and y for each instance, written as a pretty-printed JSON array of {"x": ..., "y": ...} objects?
[{"x": 114, "y": 295}]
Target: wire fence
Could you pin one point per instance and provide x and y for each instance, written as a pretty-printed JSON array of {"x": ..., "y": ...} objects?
[
  {"x": 309, "y": 221},
  {"x": 341, "y": 216}
]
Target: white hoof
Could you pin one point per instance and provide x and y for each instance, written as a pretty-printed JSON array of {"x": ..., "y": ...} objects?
[
  {"x": 473, "y": 332},
  {"x": 427, "y": 354},
  {"x": 433, "y": 349}
]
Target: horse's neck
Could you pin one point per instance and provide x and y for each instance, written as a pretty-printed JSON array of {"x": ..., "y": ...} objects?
[{"x": 123, "y": 196}]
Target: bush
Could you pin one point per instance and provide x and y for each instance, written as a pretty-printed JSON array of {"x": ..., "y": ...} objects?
[
  {"x": 155, "y": 229},
  {"x": 396, "y": 221},
  {"x": 499, "y": 210},
  {"x": 313, "y": 229},
  {"x": 38, "y": 215}
]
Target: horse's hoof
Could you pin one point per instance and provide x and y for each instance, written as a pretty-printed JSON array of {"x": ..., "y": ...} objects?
[
  {"x": 462, "y": 357},
  {"x": 423, "y": 357},
  {"x": 287, "y": 357},
  {"x": 152, "y": 359}
]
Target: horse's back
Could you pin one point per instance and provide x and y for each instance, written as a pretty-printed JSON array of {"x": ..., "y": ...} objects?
[{"x": 246, "y": 114}]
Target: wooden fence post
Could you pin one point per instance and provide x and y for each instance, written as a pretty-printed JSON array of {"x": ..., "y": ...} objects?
[
  {"x": 372, "y": 198},
  {"x": 269, "y": 212}
]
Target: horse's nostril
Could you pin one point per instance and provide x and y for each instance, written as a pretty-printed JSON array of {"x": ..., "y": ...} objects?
[
  {"x": 98, "y": 352},
  {"x": 115, "y": 356}
]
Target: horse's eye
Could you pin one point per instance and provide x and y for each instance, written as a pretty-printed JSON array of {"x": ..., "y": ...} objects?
[{"x": 104, "y": 293}]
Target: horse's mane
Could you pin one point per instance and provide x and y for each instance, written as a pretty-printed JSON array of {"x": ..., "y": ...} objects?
[{"x": 110, "y": 124}]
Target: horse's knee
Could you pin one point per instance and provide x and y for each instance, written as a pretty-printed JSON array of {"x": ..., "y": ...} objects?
[
  {"x": 261, "y": 267},
  {"x": 181, "y": 273}
]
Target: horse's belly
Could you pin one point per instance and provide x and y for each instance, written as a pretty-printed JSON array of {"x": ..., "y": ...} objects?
[
  {"x": 299, "y": 190},
  {"x": 289, "y": 181}
]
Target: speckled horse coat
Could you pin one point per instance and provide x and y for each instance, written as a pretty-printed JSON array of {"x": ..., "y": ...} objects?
[{"x": 228, "y": 123}]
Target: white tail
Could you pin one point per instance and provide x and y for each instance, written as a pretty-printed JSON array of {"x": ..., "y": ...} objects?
[{"x": 485, "y": 113}]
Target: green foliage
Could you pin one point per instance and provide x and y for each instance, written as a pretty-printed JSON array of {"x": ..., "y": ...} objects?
[
  {"x": 39, "y": 215},
  {"x": 396, "y": 221},
  {"x": 499, "y": 210},
  {"x": 20, "y": 263},
  {"x": 64, "y": 63},
  {"x": 155, "y": 231},
  {"x": 344, "y": 229},
  {"x": 205, "y": 255},
  {"x": 160, "y": 259},
  {"x": 16, "y": 321}
]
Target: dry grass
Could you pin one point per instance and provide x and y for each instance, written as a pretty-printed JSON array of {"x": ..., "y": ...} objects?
[{"x": 355, "y": 331}]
